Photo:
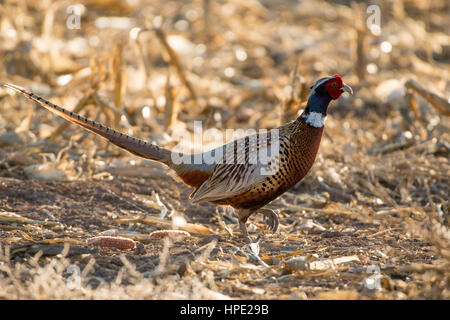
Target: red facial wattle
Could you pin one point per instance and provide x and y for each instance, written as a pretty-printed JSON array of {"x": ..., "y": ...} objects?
[{"x": 334, "y": 86}]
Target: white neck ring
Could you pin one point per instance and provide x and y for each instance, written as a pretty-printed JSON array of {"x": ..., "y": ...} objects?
[{"x": 315, "y": 119}]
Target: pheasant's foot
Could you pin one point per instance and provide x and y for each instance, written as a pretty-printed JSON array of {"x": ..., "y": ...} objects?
[{"x": 271, "y": 219}]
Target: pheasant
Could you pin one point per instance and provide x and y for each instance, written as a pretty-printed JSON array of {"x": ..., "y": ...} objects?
[{"x": 238, "y": 176}]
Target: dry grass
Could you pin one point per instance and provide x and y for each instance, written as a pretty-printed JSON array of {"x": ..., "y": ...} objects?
[{"x": 377, "y": 196}]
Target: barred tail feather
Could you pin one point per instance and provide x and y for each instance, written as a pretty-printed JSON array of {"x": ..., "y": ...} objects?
[{"x": 131, "y": 144}]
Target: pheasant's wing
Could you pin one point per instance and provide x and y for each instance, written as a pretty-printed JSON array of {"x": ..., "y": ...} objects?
[{"x": 245, "y": 163}]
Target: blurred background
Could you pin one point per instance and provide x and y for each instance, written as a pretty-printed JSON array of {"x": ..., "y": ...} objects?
[
  {"x": 150, "y": 68},
  {"x": 160, "y": 64}
]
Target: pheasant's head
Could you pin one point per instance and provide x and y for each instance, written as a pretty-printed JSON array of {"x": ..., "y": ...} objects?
[
  {"x": 333, "y": 86},
  {"x": 325, "y": 90}
]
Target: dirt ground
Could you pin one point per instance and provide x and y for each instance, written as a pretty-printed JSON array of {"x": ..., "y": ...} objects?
[
  {"x": 86, "y": 208},
  {"x": 370, "y": 220}
]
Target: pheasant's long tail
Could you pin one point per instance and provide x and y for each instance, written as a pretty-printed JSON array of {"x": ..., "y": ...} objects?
[{"x": 133, "y": 145}]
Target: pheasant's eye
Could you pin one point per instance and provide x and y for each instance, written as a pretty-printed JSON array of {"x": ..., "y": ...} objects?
[{"x": 333, "y": 85}]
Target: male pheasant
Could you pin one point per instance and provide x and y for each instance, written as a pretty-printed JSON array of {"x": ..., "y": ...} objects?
[{"x": 238, "y": 175}]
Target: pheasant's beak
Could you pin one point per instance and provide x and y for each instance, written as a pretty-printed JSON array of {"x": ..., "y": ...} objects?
[{"x": 347, "y": 88}]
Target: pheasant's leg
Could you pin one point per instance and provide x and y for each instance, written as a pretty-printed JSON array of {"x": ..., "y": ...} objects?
[
  {"x": 271, "y": 219},
  {"x": 244, "y": 231},
  {"x": 243, "y": 215}
]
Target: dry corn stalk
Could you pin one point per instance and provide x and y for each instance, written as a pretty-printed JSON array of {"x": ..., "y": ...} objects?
[
  {"x": 175, "y": 61},
  {"x": 434, "y": 99},
  {"x": 118, "y": 78}
]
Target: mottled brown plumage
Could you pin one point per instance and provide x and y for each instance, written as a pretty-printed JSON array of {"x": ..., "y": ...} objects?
[
  {"x": 238, "y": 177},
  {"x": 298, "y": 148}
]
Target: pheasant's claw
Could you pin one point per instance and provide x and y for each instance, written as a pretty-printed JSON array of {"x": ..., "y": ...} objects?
[{"x": 271, "y": 219}]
